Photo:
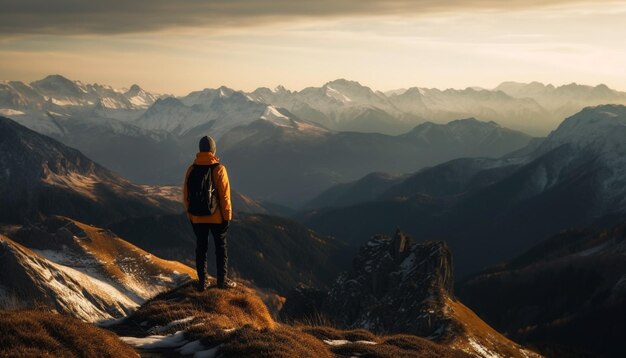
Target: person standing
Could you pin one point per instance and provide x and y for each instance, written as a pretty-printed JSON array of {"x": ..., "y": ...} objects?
[{"x": 206, "y": 195}]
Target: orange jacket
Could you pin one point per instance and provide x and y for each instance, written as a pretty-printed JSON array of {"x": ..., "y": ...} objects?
[{"x": 220, "y": 180}]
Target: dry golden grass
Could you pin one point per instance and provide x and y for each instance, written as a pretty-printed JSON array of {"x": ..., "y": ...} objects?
[
  {"x": 216, "y": 310},
  {"x": 239, "y": 323},
  {"x": 35, "y": 333},
  {"x": 109, "y": 249},
  {"x": 282, "y": 342},
  {"x": 385, "y": 347},
  {"x": 475, "y": 327}
]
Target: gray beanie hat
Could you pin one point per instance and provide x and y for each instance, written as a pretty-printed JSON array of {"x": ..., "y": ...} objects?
[{"x": 207, "y": 144}]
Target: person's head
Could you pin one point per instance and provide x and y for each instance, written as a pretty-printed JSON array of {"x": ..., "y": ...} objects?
[{"x": 207, "y": 144}]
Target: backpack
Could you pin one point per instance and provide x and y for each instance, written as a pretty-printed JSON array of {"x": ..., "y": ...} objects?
[{"x": 201, "y": 192}]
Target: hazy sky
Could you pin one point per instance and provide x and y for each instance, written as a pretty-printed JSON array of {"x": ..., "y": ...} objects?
[{"x": 179, "y": 46}]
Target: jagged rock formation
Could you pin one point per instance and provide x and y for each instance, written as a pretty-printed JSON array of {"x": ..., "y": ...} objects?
[{"x": 398, "y": 285}]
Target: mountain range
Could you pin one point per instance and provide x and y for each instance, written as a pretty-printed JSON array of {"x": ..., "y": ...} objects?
[
  {"x": 290, "y": 166},
  {"x": 90, "y": 273},
  {"x": 81, "y": 239},
  {"x": 41, "y": 176},
  {"x": 149, "y": 137},
  {"x": 490, "y": 209}
]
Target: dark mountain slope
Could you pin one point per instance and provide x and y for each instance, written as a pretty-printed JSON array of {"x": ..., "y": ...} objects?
[
  {"x": 566, "y": 295},
  {"x": 41, "y": 176},
  {"x": 291, "y": 166},
  {"x": 491, "y": 209},
  {"x": 365, "y": 189},
  {"x": 273, "y": 252}
]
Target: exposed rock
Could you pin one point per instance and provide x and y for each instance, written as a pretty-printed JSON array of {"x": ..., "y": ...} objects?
[{"x": 396, "y": 285}]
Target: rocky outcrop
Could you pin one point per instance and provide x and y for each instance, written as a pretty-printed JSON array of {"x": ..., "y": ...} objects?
[
  {"x": 396, "y": 285},
  {"x": 399, "y": 285}
]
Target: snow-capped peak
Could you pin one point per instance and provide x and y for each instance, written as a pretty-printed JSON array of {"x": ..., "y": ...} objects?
[
  {"x": 331, "y": 92},
  {"x": 279, "y": 89},
  {"x": 273, "y": 115},
  {"x": 138, "y": 97},
  {"x": 601, "y": 126},
  {"x": 224, "y": 91}
]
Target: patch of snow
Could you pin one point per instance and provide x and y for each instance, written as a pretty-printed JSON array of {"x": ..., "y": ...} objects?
[
  {"x": 408, "y": 263},
  {"x": 273, "y": 115},
  {"x": 66, "y": 102},
  {"x": 481, "y": 350},
  {"x": 178, "y": 322},
  {"x": 138, "y": 101},
  {"x": 593, "y": 250},
  {"x": 333, "y": 93},
  {"x": 153, "y": 342},
  {"x": 336, "y": 342},
  {"x": 340, "y": 342},
  {"x": 10, "y": 112},
  {"x": 111, "y": 103}
]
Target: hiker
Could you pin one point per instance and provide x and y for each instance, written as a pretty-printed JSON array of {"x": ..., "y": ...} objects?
[{"x": 207, "y": 201}]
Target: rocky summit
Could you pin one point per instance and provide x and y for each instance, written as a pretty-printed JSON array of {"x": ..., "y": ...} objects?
[
  {"x": 399, "y": 285},
  {"x": 396, "y": 285}
]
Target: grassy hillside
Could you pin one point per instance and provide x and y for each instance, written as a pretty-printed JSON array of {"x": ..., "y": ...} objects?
[
  {"x": 236, "y": 323},
  {"x": 45, "y": 334}
]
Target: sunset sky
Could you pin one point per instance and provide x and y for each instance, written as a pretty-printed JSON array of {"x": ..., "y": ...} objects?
[{"x": 179, "y": 46}]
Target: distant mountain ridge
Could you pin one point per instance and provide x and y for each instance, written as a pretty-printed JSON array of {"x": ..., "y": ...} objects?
[
  {"x": 41, "y": 176},
  {"x": 299, "y": 163},
  {"x": 573, "y": 177},
  {"x": 150, "y": 138}
]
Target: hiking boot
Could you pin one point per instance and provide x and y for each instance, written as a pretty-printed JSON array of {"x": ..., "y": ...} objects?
[
  {"x": 227, "y": 284},
  {"x": 200, "y": 285}
]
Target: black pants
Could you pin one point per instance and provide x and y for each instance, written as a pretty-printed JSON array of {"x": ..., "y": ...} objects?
[{"x": 219, "y": 232}]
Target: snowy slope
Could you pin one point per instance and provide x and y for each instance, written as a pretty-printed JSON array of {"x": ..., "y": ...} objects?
[
  {"x": 599, "y": 132},
  {"x": 214, "y": 112},
  {"x": 84, "y": 271},
  {"x": 35, "y": 279},
  {"x": 56, "y": 91}
]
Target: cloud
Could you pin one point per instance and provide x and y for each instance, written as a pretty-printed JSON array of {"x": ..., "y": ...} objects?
[{"x": 79, "y": 17}]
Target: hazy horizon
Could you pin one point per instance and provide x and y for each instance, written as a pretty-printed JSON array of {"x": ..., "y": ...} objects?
[
  {"x": 250, "y": 44},
  {"x": 320, "y": 84}
]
